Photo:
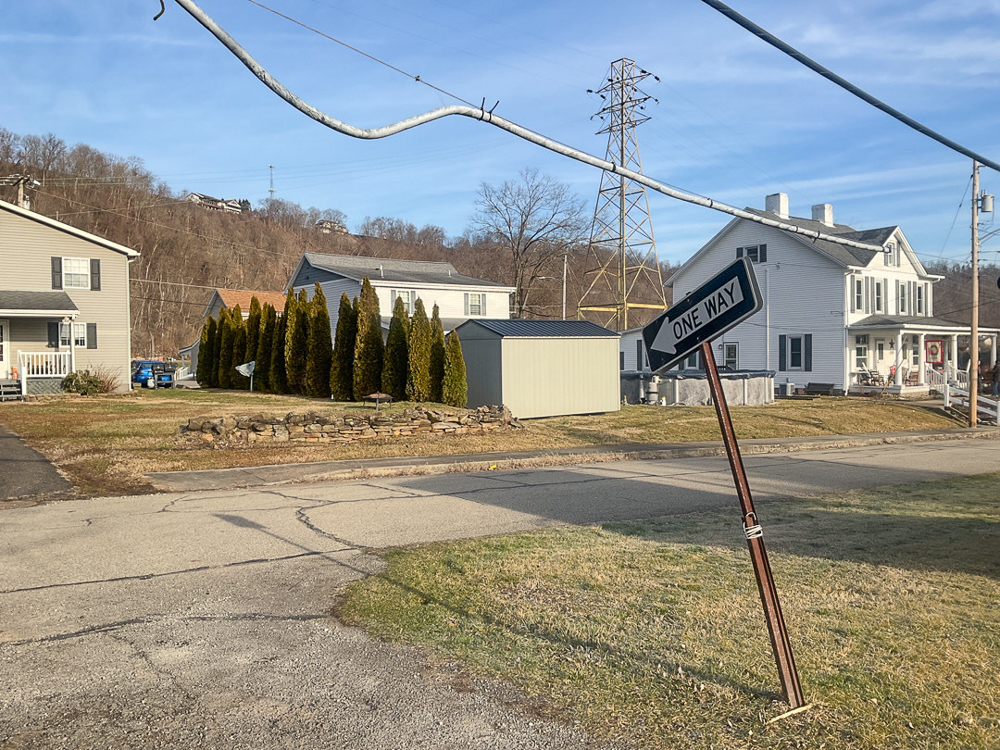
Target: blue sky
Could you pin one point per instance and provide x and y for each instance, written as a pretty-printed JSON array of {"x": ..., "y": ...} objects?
[{"x": 736, "y": 119}]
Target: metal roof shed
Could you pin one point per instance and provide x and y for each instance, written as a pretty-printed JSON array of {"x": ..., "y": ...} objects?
[{"x": 541, "y": 368}]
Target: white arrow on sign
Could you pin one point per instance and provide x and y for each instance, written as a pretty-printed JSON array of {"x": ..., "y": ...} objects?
[{"x": 702, "y": 314}]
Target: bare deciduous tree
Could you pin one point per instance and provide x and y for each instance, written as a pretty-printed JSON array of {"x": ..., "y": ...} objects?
[{"x": 534, "y": 220}]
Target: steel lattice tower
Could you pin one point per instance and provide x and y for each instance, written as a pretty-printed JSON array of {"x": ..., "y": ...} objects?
[{"x": 623, "y": 271}]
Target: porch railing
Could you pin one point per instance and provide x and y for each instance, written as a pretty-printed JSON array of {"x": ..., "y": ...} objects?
[
  {"x": 42, "y": 365},
  {"x": 984, "y": 406}
]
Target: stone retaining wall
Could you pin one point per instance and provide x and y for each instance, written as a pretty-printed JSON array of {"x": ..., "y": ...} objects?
[{"x": 318, "y": 428}]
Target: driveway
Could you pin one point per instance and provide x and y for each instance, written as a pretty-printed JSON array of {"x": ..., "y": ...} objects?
[
  {"x": 202, "y": 619},
  {"x": 26, "y": 472}
]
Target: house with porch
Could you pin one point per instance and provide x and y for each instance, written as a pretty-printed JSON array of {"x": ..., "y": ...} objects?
[
  {"x": 834, "y": 313},
  {"x": 458, "y": 297},
  {"x": 64, "y": 303}
]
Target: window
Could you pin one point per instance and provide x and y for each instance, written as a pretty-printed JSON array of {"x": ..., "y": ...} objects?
[
  {"x": 795, "y": 352},
  {"x": 407, "y": 296},
  {"x": 689, "y": 363},
  {"x": 891, "y": 254},
  {"x": 878, "y": 296},
  {"x": 77, "y": 330},
  {"x": 919, "y": 300},
  {"x": 859, "y": 294},
  {"x": 902, "y": 299},
  {"x": 76, "y": 273},
  {"x": 731, "y": 359},
  {"x": 756, "y": 253},
  {"x": 916, "y": 351},
  {"x": 861, "y": 352},
  {"x": 475, "y": 303}
]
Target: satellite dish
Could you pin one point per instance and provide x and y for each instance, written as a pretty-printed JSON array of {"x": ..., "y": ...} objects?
[{"x": 246, "y": 368}]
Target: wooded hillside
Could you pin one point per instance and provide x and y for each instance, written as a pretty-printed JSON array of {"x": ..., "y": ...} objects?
[{"x": 187, "y": 250}]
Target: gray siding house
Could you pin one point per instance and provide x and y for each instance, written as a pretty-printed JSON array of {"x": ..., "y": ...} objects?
[
  {"x": 541, "y": 368},
  {"x": 64, "y": 302}
]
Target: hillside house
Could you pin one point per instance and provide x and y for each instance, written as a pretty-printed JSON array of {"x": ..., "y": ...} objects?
[
  {"x": 64, "y": 303},
  {"x": 833, "y": 314},
  {"x": 458, "y": 297}
]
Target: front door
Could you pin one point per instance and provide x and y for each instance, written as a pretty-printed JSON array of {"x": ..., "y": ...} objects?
[{"x": 4, "y": 349}]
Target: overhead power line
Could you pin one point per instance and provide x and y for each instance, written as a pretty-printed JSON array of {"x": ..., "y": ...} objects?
[
  {"x": 845, "y": 84},
  {"x": 483, "y": 115}
]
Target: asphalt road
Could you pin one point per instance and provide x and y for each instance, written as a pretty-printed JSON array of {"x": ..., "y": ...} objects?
[{"x": 201, "y": 619}]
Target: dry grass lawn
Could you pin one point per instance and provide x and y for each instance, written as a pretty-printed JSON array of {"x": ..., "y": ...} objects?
[{"x": 106, "y": 444}]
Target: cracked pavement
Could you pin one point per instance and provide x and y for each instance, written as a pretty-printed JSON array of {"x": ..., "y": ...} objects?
[{"x": 202, "y": 619}]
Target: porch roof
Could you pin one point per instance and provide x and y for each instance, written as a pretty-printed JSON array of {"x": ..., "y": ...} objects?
[
  {"x": 917, "y": 323},
  {"x": 18, "y": 304}
]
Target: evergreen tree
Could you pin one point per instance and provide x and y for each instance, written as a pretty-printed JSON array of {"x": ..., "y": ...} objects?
[
  {"x": 253, "y": 325},
  {"x": 206, "y": 354},
  {"x": 319, "y": 348},
  {"x": 296, "y": 341},
  {"x": 396, "y": 362},
  {"x": 228, "y": 337},
  {"x": 418, "y": 380},
  {"x": 240, "y": 381},
  {"x": 342, "y": 367},
  {"x": 277, "y": 376},
  {"x": 368, "y": 346},
  {"x": 455, "y": 388},
  {"x": 217, "y": 351},
  {"x": 437, "y": 356},
  {"x": 269, "y": 319}
]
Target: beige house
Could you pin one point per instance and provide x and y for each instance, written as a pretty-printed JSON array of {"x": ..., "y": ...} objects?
[{"x": 64, "y": 303}]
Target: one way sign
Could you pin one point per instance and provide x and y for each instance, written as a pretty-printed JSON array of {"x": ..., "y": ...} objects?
[{"x": 719, "y": 304}]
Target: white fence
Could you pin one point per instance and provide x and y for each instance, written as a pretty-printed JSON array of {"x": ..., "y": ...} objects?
[{"x": 960, "y": 396}]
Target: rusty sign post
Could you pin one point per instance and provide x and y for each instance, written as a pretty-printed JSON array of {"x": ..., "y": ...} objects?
[{"x": 718, "y": 305}]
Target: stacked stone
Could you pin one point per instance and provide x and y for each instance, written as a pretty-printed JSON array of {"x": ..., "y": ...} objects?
[{"x": 317, "y": 428}]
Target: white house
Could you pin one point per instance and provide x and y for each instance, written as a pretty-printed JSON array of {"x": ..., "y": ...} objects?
[
  {"x": 833, "y": 313},
  {"x": 458, "y": 297}
]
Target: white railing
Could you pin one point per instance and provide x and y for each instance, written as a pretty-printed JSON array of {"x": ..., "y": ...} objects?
[
  {"x": 960, "y": 396},
  {"x": 42, "y": 365}
]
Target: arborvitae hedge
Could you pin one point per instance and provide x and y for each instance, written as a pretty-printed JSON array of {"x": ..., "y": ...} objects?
[
  {"x": 217, "y": 352},
  {"x": 206, "y": 354},
  {"x": 319, "y": 353},
  {"x": 418, "y": 380},
  {"x": 227, "y": 337},
  {"x": 296, "y": 343},
  {"x": 455, "y": 388},
  {"x": 265, "y": 344},
  {"x": 368, "y": 348},
  {"x": 277, "y": 376},
  {"x": 342, "y": 368},
  {"x": 240, "y": 382},
  {"x": 253, "y": 331},
  {"x": 395, "y": 365},
  {"x": 437, "y": 356}
]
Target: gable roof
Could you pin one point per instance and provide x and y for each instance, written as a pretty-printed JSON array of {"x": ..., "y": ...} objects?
[
  {"x": 233, "y": 297},
  {"x": 59, "y": 226},
  {"x": 540, "y": 328},
  {"x": 380, "y": 270},
  {"x": 849, "y": 256}
]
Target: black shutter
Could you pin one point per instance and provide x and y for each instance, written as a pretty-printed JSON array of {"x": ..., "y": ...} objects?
[
  {"x": 638, "y": 354},
  {"x": 762, "y": 254},
  {"x": 95, "y": 274},
  {"x": 91, "y": 335},
  {"x": 782, "y": 353},
  {"x": 56, "y": 272},
  {"x": 739, "y": 252},
  {"x": 53, "y": 334},
  {"x": 809, "y": 352}
]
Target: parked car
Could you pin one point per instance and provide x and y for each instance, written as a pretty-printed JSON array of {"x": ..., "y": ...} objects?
[{"x": 151, "y": 373}]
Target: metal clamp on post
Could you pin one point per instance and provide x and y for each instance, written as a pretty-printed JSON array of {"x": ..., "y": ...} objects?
[{"x": 752, "y": 531}]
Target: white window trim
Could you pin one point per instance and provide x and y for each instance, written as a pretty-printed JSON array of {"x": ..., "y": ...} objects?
[{"x": 70, "y": 275}]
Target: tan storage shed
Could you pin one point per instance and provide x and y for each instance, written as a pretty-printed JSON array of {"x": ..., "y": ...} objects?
[{"x": 541, "y": 368}]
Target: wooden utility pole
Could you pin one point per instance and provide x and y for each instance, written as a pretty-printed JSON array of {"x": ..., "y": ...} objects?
[{"x": 974, "y": 342}]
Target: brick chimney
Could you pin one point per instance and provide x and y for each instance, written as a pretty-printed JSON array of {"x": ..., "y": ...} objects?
[
  {"x": 823, "y": 213},
  {"x": 777, "y": 204}
]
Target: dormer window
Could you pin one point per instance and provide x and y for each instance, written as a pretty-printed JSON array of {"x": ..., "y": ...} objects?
[
  {"x": 891, "y": 254},
  {"x": 756, "y": 253}
]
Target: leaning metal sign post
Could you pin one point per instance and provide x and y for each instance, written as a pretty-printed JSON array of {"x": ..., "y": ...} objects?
[{"x": 719, "y": 304}]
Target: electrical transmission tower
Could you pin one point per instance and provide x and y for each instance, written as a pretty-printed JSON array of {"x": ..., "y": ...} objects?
[{"x": 623, "y": 271}]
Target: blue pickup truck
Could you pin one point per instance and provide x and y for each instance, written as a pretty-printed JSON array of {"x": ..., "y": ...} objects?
[{"x": 151, "y": 373}]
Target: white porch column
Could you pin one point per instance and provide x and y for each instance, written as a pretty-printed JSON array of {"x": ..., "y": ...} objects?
[
  {"x": 897, "y": 377},
  {"x": 921, "y": 364},
  {"x": 993, "y": 349},
  {"x": 953, "y": 357}
]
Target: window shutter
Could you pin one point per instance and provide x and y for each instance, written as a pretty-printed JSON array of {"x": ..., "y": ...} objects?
[
  {"x": 898, "y": 310},
  {"x": 782, "y": 353},
  {"x": 621, "y": 360},
  {"x": 95, "y": 274},
  {"x": 53, "y": 333},
  {"x": 638, "y": 354},
  {"x": 466, "y": 303},
  {"x": 739, "y": 252},
  {"x": 91, "y": 335},
  {"x": 868, "y": 294},
  {"x": 808, "y": 355},
  {"x": 762, "y": 254},
  {"x": 56, "y": 273},
  {"x": 482, "y": 304}
]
